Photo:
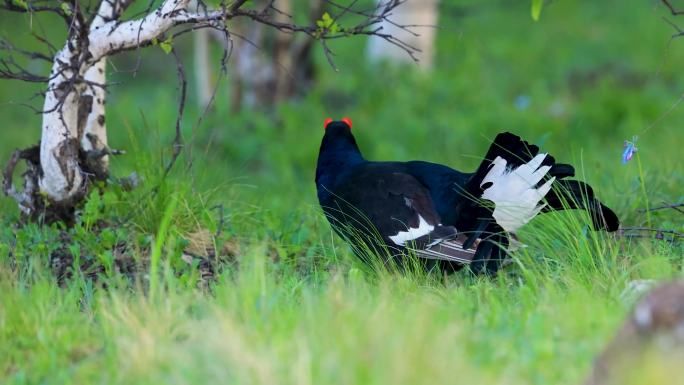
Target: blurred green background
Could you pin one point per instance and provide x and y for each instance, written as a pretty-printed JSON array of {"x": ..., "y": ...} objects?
[
  {"x": 290, "y": 307},
  {"x": 579, "y": 81}
]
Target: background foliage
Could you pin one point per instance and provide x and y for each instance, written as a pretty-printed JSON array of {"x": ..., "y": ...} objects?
[{"x": 291, "y": 305}]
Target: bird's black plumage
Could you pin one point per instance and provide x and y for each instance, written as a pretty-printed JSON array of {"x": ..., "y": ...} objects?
[{"x": 443, "y": 215}]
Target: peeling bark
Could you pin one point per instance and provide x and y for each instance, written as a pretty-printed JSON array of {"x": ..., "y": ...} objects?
[
  {"x": 74, "y": 117},
  {"x": 61, "y": 173},
  {"x": 94, "y": 135}
]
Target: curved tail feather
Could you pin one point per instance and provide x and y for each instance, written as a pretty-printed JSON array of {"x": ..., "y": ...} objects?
[
  {"x": 525, "y": 175},
  {"x": 574, "y": 194},
  {"x": 521, "y": 183}
]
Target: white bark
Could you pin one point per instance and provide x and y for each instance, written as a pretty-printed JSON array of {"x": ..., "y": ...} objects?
[
  {"x": 63, "y": 177},
  {"x": 94, "y": 135},
  {"x": 202, "y": 68},
  {"x": 95, "y": 132},
  {"x": 114, "y": 36}
]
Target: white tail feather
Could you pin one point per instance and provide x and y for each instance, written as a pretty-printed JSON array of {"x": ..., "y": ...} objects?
[{"x": 513, "y": 192}]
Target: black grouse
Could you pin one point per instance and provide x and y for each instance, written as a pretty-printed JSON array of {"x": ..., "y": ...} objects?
[{"x": 445, "y": 217}]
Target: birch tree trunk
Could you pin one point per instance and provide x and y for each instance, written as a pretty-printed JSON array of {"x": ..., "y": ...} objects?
[
  {"x": 202, "y": 67},
  {"x": 62, "y": 176},
  {"x": 73, "y": 147},
  {"x": 74, "y": 150},
  {"x": 74, "y": 118}
]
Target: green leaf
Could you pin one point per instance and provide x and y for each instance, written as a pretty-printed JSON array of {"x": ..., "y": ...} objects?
[
  {"x": 65, "y": 7},
  {"x": 21, "y": 3},
  {"x": 327, "y": 20},
  {"x": 166, "y": 45},
  {"x": 536, "y": 9},
  {"x": 327, "y": 23}
]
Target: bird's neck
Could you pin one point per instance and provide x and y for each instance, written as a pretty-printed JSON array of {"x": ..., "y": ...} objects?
[{"x": 334, "y": 158}]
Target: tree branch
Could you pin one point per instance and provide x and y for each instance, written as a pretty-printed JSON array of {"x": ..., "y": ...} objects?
[
  {"x": 116, "y": 36},
  {"x": 24, "y": 198},
  {"x": 672, "y": 8},
  {"x": 178, "y": 139},
  {"x": 675, "y": 206}
]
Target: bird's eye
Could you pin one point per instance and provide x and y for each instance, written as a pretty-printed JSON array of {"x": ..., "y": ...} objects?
[{"x": 326, "y": 122}]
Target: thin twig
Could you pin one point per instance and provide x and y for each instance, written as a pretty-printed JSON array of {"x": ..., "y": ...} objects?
[
  {"x": 652, "y": 233},
  {"x": 178, "y": 139},
  {"x": 675, "y": 206},
  {"x": 672, "y": 8}
]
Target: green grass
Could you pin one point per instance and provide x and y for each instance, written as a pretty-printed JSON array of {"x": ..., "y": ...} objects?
[{"x": 290, "y": 304}]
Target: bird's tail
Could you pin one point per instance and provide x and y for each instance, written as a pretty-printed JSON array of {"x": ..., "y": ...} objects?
[
  {"x": 515, "y": 182},
  {"x": 521, "y": 182},
  {"x": 574, "y": 194}
]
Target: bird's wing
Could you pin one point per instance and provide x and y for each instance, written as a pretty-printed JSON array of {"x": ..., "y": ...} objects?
[{"x": 400, "y": 209}]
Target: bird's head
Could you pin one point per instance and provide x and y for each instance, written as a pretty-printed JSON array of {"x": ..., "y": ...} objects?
[
  {"x": 338, "y": 136},
  {"x": 338, "y": 147},
  {"x": 337, "y": 127}
]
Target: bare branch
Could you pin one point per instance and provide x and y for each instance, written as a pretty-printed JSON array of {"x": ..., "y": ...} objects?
[
  {"x": 9, "y": 69},
  {"x": 8, "y": 5},
  {"x": 236, "y": 5},
  {"x": 116, "y": 36},
  {"x": 25, "y": 198},
  {"x": 178, "y": 139},
  {"x": 369, "y": 26},
  {"x": 7, "y": 46},
  {"x": 675, "y": 206},
  {"x": 672, "y": 8},
  {"x": 652, "y": 233},
  {"x": 49, "y": 45},
  {"x": 102, "y": 152}
]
